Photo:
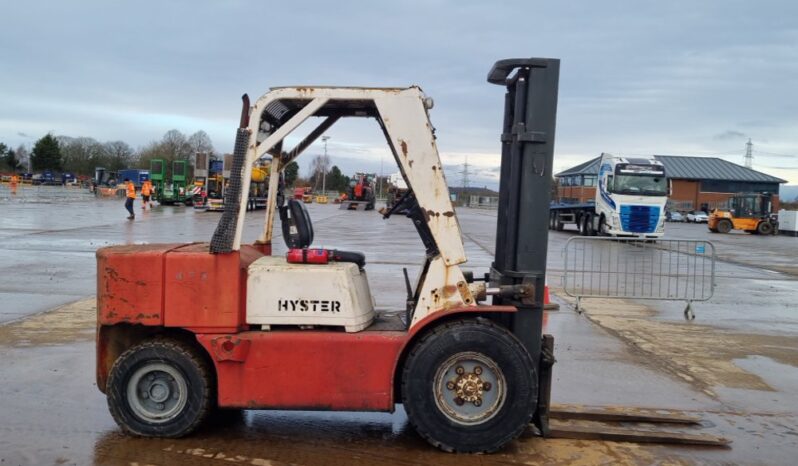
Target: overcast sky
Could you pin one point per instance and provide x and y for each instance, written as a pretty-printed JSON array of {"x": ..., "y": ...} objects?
[{"x": 637, "y": 77}]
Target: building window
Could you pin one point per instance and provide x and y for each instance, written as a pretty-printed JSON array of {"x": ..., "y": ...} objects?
[
  {"x": 590, "y": 180},
  {"x": 731, "y": 187}
]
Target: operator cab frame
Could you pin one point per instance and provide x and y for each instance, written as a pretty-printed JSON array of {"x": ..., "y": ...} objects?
[{"x": 402, "y": 114}]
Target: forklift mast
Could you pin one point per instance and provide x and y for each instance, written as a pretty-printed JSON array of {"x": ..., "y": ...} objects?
[{"x": 530, "y": 112}]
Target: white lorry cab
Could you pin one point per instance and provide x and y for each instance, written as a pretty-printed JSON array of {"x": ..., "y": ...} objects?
[
  {"x": 631, "y": 196},
  {"x": 631, "y": 193}
]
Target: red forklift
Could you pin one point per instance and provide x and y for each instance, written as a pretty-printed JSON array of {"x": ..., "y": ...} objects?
[
  {"x": 360, "y": 195},
  {"x": 226, "y": 324}
]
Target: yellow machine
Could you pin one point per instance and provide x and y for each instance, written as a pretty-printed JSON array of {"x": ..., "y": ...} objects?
[{"x": 749, "y": 212}]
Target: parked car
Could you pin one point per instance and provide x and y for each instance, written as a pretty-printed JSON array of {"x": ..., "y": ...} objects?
[
  {"x": 697, "y": 216},
  {"x": 675, "y": 216}
]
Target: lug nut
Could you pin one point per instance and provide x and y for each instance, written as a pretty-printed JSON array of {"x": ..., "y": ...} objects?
[
  {"x": 160, "y": 406},
  {"x": 477, "y": 402},
  {"x": 486, "y": 386},
  {"x": 450, "y": 385},
  {"x": 459, "y": 370},
  {"x": 145, "y": 395},
  {"x": 477, "y": 370},
  {"x": 459, "y": 401}
]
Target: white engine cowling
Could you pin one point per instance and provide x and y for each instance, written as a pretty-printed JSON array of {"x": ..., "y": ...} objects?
[{"x": 333, "y": 294}]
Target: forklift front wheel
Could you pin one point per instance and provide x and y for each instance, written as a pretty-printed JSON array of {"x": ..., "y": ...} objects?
[
  {"x": 724, "y": 226},
  {"x": 159, "y": 388},
  {"x": 469, "y": 386}
]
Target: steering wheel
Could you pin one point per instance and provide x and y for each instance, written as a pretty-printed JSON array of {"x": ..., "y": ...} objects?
[{"x": 407, "y": 198}]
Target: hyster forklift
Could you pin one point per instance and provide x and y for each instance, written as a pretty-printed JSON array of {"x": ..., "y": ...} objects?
[
  {"x": 229, "y": 325},
  {"x": 750, "y": 212}
]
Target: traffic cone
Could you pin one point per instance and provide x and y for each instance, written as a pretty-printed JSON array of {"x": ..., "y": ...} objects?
[{"x": 547, "y": 304}]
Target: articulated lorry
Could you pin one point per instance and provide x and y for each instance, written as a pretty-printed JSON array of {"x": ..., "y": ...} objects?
[{"x": 630, "y": 198}]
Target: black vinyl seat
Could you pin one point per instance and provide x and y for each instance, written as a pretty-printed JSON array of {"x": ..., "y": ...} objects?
[
  {"x": 297, "y": 227},
  {"x": 298, "y": 233}
]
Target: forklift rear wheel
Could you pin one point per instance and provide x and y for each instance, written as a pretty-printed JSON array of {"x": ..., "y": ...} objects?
[
  {"x": 764, "y": 228},
  {"x": 724, "y": 226},
  {"x": 159, "y": 388},
  {"x": 469, "y": 386}
]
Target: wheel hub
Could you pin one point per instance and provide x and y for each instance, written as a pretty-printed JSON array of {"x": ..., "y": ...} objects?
[
  {"x": 157, "y": 392},
  {"x": 469, "y": 388}
]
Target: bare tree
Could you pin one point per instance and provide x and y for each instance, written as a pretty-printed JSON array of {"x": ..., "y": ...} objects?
[
  {"x": 175, "y": 146},
  {"x": 23, "y": 155},
  {"x": 119, "y": 155},
  {"x": 319, "y": 166},
  {"x": 200, "y": 142},
  {"x": 81, "y": 155}
]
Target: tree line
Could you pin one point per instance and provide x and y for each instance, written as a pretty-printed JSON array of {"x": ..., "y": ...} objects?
[{"x": 81, "y": 155}]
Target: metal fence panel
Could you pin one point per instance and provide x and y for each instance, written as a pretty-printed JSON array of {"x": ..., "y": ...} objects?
[{"x": 668, "y": 269}]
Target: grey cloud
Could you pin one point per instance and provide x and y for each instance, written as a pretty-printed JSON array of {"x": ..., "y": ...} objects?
[
  {"x": 630, "y": 80},
  {"x": 729, "y": 135}
]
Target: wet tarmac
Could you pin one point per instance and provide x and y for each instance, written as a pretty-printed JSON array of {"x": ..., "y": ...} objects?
[{"x": 735, "y": 365}]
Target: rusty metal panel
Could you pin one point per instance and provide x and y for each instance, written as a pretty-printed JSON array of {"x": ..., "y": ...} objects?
[
  {"x": 410, "y": 134},
  {"x": 129, "y": 284},
  {"x": 206, "y": 290},
  {"x": 314, "y": 370}
]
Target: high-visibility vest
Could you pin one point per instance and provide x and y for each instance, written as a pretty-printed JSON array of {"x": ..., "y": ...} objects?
[
  {"x": 145, "y": 188},
  {"x": 131, "y": 190}
]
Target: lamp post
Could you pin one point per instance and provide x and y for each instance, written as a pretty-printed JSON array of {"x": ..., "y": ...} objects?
[{"x": 324, "y": 167}]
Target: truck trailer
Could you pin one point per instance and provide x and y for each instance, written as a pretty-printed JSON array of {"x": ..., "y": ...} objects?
[{"x": 630, "y": 199}]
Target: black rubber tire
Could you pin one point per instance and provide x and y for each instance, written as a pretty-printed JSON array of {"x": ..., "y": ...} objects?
[
  {"x": 584, "y": 228},
  {"x": 723, "y": 226},
  {"x": 589, "y": 222},
  {"x": 602, "y": 224},
  {"x": 200, "y": 396},
  {"x": 552, "y": 220},
  {"x": 764, "y": 228},
  {"x": 488, "y": 339}
]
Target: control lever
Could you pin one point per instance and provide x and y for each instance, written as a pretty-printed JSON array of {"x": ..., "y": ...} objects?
[
  {"x": 398, "y": 204},
  {"x": 410, "y": 303}
]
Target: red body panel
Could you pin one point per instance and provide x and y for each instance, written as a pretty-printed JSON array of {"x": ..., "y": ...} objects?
[
  {"x": 173, "y": 285},
  {"x": 314, "y": 369},
  {"x": 130, "y": 284},
  {"x": 202, "y": 289}
]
